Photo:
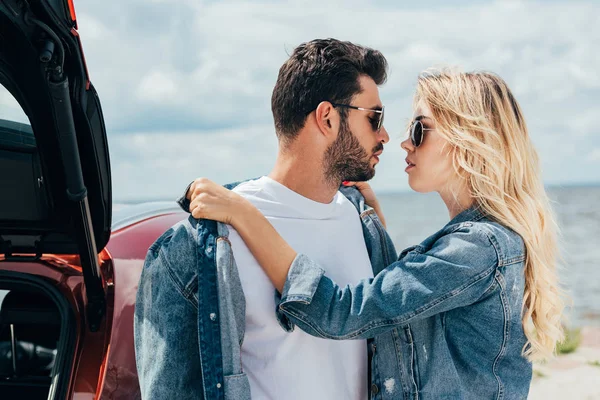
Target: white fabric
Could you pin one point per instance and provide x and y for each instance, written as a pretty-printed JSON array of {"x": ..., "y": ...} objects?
[{"x": 296, "y": 365}]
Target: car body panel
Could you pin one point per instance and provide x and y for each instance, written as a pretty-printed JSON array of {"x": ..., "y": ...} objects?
[{"x": 105, "y": 360}]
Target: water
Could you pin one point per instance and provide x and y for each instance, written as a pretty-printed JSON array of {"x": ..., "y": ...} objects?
[{"x": 411, "y": 217}]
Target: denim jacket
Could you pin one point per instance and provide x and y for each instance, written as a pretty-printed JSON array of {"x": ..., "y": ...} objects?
[
  {"x": 190, "y": 309},
  {"x": 445, "y": 317}
]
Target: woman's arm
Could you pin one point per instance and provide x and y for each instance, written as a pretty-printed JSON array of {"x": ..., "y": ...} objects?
[
  {"x": 273, "y": 253},
  {"x": 456, "y": 271}
]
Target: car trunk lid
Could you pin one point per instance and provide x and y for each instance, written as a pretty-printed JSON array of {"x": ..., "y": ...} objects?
[{"x": 55, "y": 183}]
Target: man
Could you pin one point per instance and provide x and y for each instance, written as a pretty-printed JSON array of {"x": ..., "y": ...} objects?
[{"x": 329, "y": 123}]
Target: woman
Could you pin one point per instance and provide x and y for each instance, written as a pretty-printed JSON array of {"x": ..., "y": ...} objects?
[{"x": 474, "y": 303}]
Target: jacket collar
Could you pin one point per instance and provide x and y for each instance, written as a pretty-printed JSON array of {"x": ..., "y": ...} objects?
[{"x": 472, "y": 213}]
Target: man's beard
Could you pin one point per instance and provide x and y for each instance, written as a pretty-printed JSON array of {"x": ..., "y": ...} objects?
[{"x": 346, "y": 160}]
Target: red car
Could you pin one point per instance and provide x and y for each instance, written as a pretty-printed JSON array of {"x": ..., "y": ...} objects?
[{"x": 68, "y": 275}]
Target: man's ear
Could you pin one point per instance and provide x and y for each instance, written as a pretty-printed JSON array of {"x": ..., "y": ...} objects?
[{"x": 327, "y": 118}]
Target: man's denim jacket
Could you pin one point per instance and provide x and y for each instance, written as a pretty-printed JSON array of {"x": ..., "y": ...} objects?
[
  {"x": 446, "y": 317},
  {"x": 190, "y": 309}
]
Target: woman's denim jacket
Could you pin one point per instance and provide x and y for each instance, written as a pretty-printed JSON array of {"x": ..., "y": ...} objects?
[
  {"x": 190, "y": 310},
  {"x": 446, "y": 317}
]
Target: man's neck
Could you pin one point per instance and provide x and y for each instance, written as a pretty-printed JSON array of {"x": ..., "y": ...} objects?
[{"x": 304, "y": 175}]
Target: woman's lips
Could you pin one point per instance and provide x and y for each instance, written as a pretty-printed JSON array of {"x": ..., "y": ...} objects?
[{"x": 409, "y": 166}]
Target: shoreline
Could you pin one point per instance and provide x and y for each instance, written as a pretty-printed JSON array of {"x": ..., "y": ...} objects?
[{"x": 575, "y": 375}]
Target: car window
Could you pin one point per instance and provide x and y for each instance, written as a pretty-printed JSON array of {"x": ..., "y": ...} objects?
[
  {"x": 10, "y": 109},
  {"x": 3, "y": 294},
  {"x": 15, "y": 129}
]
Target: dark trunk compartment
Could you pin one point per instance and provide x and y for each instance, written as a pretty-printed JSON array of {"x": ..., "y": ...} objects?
[{"x": 37, "y": 322}]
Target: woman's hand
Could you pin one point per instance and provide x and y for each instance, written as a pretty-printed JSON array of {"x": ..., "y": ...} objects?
[
  {"x": 209, "y": 200},
  {"x": 212, "y": 201},
  {"x": 370, "y": 197},
  {"x": 366, "y": 191}
]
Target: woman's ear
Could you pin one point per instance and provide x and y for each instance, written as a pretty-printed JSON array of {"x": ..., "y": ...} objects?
[{"x": 327, "y": 119}]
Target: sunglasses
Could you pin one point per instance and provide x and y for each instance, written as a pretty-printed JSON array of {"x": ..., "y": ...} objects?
[
  {"x": 376, "y": 122},
  {"x": 416, "y": 131}
]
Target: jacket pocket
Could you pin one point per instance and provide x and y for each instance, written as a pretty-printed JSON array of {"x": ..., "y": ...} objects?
[{"x": 237, "y": 387}]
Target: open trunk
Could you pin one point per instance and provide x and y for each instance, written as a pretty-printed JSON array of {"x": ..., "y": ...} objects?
[
  {"x": 55, "y": 199},
  {"x": 37, "y": 334}
]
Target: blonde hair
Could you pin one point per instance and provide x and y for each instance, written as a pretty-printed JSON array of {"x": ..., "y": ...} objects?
[{"x": 493, "y": 155}]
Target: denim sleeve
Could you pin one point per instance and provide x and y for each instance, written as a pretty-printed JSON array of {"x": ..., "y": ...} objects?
[
  {"x": 456, "y": 271},
  {"x": 183, "y": 201},
  {"x": 165, "y": 323}
]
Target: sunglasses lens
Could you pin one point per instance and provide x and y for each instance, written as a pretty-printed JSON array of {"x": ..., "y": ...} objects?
[
  {"x": 380, "y": 122},
  {"x": 416, "y": 133}
]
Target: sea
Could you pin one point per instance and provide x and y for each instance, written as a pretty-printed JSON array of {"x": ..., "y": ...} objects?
[{"x": 411, "y": 217}]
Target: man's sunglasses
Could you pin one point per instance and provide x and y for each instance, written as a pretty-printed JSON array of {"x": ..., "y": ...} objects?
[
  {"x": 376, "y": 122},
  {"x": 416, "y": 131}
]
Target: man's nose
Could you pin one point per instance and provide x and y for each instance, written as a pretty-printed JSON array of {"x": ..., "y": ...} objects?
[{"x": 383, "y": 135}]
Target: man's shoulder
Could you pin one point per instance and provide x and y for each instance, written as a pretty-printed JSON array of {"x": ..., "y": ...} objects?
[
  {"x": 185, "y": 241},
  {"x": 248, "y": 187}
]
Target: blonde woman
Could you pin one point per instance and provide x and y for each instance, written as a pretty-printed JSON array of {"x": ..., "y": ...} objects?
[{"x": 462, "y": 314}]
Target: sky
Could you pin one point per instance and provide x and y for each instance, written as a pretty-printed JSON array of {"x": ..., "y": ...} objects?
[{"x": 185, "y": 85}]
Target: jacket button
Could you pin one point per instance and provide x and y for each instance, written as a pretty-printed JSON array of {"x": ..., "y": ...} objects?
[
  {"x": 213, "y": 316},
  {"x": 374, "y": 389}
]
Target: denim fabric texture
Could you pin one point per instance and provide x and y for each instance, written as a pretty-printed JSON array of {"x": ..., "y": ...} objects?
[
  {"x": 190, "y": 308},
  {"x": 445, "y": 317},
  {"x": 189, "y": 316},
  {"x": 442, "y": 322}
]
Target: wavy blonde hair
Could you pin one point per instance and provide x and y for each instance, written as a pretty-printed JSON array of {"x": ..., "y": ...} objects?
[{"x": 493, "y": 155}]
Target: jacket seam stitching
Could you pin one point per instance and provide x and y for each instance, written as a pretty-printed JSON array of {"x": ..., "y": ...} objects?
[
  {"x": 384, "y": 245},
  {"x": 184, "y": 293},
  {"x": 504, "y": 338},
  {"x": 513, "y": 260}
]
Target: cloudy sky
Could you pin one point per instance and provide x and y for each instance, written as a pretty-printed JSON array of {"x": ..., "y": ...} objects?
[{"x": 186, "y": 85}]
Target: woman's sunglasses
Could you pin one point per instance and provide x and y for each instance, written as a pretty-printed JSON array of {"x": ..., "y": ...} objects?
[{"x": 416, "y": 132}]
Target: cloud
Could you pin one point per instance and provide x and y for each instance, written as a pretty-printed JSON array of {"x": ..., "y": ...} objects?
[
  {"x": 594, "y": 156},
  {"x": 158, "y": 87},
  {"x": 159, "y": 165},
  {"x": 209, "y": 67}
]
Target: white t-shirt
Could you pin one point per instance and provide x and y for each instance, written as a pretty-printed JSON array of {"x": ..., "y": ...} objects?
[{"x": 295, "y": 365}]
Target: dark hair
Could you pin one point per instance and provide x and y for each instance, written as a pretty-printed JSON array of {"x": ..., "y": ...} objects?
[{"x": 321, "y": 70}]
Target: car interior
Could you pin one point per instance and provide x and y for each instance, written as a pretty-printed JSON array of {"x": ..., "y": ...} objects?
[{"x": 30, "y": 339}]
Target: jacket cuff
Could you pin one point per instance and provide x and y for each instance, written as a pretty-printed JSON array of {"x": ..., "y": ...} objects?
[
  {"x": 285, "y": 323},
  {"x": 183, "y": 202},
  {"x": 302, "y": 281}
]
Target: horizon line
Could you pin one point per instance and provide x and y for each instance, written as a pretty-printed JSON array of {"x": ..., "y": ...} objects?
[{"x": 379, "y": 192}]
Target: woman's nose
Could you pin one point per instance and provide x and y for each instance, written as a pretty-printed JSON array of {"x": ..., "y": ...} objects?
[{"x": 407, "y": 145}]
